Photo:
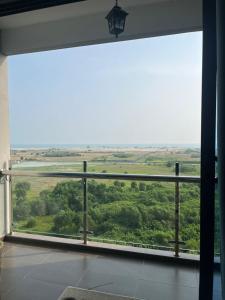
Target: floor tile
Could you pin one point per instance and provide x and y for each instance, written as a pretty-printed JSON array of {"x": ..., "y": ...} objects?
[
  {"x": 124, "y": 284},
  {"x": 17, "y": 263},
  {"x": 150, "y": 290},
  {"x": 164, "y": 273},
  {"x": 62, "y": 268},
  {"x": 35, "y": 273},
  {"x": 30, "y": 289},
  {"x": 116, "y": 266}
]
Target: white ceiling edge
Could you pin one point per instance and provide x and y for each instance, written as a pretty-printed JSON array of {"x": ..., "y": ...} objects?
[{"x": 148, "y": 20}]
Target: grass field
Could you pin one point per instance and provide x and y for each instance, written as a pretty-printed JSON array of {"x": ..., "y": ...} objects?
[
  {"x": 38, "y": 184},
  {"x": 43, "y": 224}
]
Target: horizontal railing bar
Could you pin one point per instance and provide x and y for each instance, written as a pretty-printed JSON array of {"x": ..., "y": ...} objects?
[{"x": 74, "y": 175}]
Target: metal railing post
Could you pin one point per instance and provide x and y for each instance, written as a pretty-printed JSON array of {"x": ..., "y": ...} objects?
[
  {"x": 85, "y": 205},
  {"x": 177, "y": 212},
  {"x": 10, "y": 198}
]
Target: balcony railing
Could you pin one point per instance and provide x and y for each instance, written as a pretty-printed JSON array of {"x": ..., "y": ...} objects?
[{"x": 177, "y": 245}]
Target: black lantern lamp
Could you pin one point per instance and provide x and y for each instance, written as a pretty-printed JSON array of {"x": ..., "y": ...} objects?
[{"x": 116, "y": 19}]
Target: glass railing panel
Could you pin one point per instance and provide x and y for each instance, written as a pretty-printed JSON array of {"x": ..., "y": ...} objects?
[
  {"x": 132, "y": 213},
  {"x": 217, "y": 288},
  {"x": 47, "y": 165},
  {"x": 126, "y": 167},
  {"x": 190, "y": 218},
  {"x": 47, "y": 206},
  {"x": 126, "y": 212},
  {"x": 190, "y": 168},
  {"x": 217, "y": 226}
]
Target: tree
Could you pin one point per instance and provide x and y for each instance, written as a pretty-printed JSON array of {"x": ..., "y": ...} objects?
[
  {"x": 129, "y": 217},
  {"x": 68, "y": 195},
  {"x": 142, "y": 186},
  {"x": 38, "y": 208},
  {"x": 67, "y": 222},
  {"x": 137, "y": 213},
  {"x": 119, "y": 185},
  {"x": 51, "y": 206},
  {"x": 21, "y": 190},
  {"x": 133, "y": 185},
  {"x": 21, "y": 211}
]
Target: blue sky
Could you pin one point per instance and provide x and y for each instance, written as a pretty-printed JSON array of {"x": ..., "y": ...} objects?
[{"x": 142, "y": 91}]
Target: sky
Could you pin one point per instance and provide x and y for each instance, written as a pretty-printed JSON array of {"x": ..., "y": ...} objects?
[{"x": 145, "y": 91}]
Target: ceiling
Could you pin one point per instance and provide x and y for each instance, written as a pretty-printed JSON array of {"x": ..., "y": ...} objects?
[
  {"x": 8, "y": 7},
  {"x": 83, "y": 23},
  {"x": 65, "y": 11}
]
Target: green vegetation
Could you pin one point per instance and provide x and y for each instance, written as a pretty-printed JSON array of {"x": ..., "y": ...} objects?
[
  {"x": 141, "y": 213},
  {"x": 135, "y": 212},
  {"x": 122, "y": 155},
  {"x": 55, "y": 153}
]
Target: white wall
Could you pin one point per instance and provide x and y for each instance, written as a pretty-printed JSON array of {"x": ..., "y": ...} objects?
[{"x": 4, "y": 144}]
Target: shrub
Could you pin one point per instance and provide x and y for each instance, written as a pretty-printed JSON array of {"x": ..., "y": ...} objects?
[
  {"x": 21, "y": 211},
  {"x": 31, "y": 223}
]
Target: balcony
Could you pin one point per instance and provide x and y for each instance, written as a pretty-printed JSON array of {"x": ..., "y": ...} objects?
[
  {"x": 126, "y": 212},
  {"x": 47, "y": 262}
]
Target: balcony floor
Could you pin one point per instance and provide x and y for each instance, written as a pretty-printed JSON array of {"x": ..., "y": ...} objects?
[{"x": 30, "y": 272}]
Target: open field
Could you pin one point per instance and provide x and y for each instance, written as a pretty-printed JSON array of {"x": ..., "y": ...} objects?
[
  {"x": 151, "y": 161},
  {"x": 135, "y": 212},
  {"x": 128, "y": 154}
]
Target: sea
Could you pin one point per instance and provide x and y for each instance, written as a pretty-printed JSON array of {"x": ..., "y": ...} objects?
[{"x": 100, "y": 146}]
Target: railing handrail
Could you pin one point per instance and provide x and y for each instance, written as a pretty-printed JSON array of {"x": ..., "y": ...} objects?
[
  {"x": 84, "y": 176},
  {"x": 115, "y": 176}
]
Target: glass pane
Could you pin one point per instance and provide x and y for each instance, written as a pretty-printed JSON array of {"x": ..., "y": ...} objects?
[
  {"x": 217, "y": 290},
  {"x": 130, "y": 213},
  {"x": 47, "y": 206},
  {"x": 190, "y": 218}
]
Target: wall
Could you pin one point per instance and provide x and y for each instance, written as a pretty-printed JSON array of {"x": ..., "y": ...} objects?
[{"x": 4, "y": 144}]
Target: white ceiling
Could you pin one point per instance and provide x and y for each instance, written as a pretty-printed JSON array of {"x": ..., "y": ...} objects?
[
  {"x": 69, "y": 11},
  {"x": 84, "y": 23}
]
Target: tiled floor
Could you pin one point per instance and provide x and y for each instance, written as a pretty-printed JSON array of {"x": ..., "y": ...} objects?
[{"x": 39, "y": 273}]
